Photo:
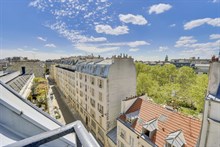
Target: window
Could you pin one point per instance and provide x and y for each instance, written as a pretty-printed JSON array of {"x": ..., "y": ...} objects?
[
  {"x": 93, "y": 124},
  {"x": 85, "y": 88},
  {"x": 122, "y": 134},
  {"x": 85, "y": 78},
  {"x": 102, "y": 70},
  {"x": 147, "y": 133},
  {"x": 131, "y": 141},
  {"x": 92, "y": 113},
  {"x": 100, "y": 83},
  {"x": 85, "y": 97},
  {"x": 80, "y": 76},
  {"x": 92, "y": 91},
  {"x": 86, "y": 107},
  {"x": 100, "y": 96},
  {"x": 92, "y": 80},
  {"x": 81, "y": 94},
  {"x": 92, "y": 102},
  {"x": 100, "y": 108}
]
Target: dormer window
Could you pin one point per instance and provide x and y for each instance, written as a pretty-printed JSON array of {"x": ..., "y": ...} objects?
[
  {"x": 132, "y": 116},
  {"x": 175, "y": 139},
  {"x": 150, "y": 128},
  {"x": 147, "y": 133}
]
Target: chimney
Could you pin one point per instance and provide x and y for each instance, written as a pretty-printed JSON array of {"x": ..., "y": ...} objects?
[
  {"x": 23, "y": 70},
  {"x": 126, "y": 104}
]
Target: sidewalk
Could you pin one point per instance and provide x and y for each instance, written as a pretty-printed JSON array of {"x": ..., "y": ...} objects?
[
  {"x": 52, "y": 104},
  {"x": 72, "y": 110}
]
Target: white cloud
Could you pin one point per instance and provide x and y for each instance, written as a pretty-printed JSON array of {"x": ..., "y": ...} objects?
[
  {"x": 133, "y": 49},
  {"x": 73, "y": 35},
  {"x": 159, "y": 8},
  {"x": 215, "y": 1},
  {"x": 163, "y": 48},
  {"x": 106, "y": 29},
  {"x": 94, "y": 49},
  {"x": 20, "y": 49},
  {"x": 215, "y": 22},
  {"x": 93, "y": 39},
  {"x": 134, "y": 19},
  {"x": 137, "y": 43},
  {"x": 34, "y": 49},
  {"x": 41, "y": 38},
  {"x": 172, "y": 25},
  {"x": 214, "y": 36},
  {"x": 132, "y": 44},
  {"x": 185, "y": 41},
  {"x": 76, "y": 10},
  {"x": 193, "y": 48},
  {"x": 50, "y": 45}
]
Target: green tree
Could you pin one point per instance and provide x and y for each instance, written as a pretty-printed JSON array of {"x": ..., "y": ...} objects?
[
  {"x": 185, "y": 76},
  {"x": 198, "y": 91},
  {"x": 145, "y": 84}
]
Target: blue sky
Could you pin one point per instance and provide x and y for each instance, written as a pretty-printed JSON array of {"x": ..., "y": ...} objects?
[{"x": 144, "y": 29}]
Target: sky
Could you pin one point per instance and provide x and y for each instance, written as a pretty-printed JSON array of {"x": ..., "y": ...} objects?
[{"x": 144, "y": 29}]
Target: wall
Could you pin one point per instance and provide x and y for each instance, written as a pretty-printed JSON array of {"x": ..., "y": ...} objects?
[
  {"x": 122, "y": 84},
  {"x": 26, "y": 90},
  {"x": 137, "y": 140}
]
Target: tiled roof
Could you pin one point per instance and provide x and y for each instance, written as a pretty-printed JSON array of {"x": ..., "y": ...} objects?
[{"x": 169, "y": 122}]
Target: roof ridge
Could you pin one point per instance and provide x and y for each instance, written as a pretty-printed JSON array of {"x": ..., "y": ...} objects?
[{"x": 134, "y": 104}]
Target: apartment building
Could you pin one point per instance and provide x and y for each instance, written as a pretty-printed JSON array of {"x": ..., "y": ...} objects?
[
  {"x": 95, "y": 89},
  {"x": 210, "y": 133},
  {"x": 145, "y": 124}
]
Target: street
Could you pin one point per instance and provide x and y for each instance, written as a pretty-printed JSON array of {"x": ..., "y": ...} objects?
[{"x": 66, "y": 113}]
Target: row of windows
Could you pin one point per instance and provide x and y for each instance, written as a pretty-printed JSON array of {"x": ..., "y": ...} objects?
[
  {"x": 122, "y": 134},
  {"x": 92, "y": 92},
  {"x": 100, "y": 82},
  {"x": 100, "y": 107}
]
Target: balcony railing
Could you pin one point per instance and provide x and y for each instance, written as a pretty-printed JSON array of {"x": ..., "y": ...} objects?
[{"x": 82, "y": 136}]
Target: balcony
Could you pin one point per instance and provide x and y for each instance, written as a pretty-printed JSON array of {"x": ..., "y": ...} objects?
[
  {"x": 41, "y": 129},
  {"x": 83, "y": 137}
]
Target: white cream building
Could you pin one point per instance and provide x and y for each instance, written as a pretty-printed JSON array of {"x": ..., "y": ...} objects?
[
  {"x": 96, "y": 89},
  {"x": 210, "y": 133}
]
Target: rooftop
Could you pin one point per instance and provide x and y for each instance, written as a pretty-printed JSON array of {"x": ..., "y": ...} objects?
[
  {"x": 113, "y": 135},
  {"x": 167, "y": 122},
  {"x": 18, "y": 82}
]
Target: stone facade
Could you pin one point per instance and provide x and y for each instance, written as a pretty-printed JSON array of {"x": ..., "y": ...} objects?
[{"x": 96, "y": 88}]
